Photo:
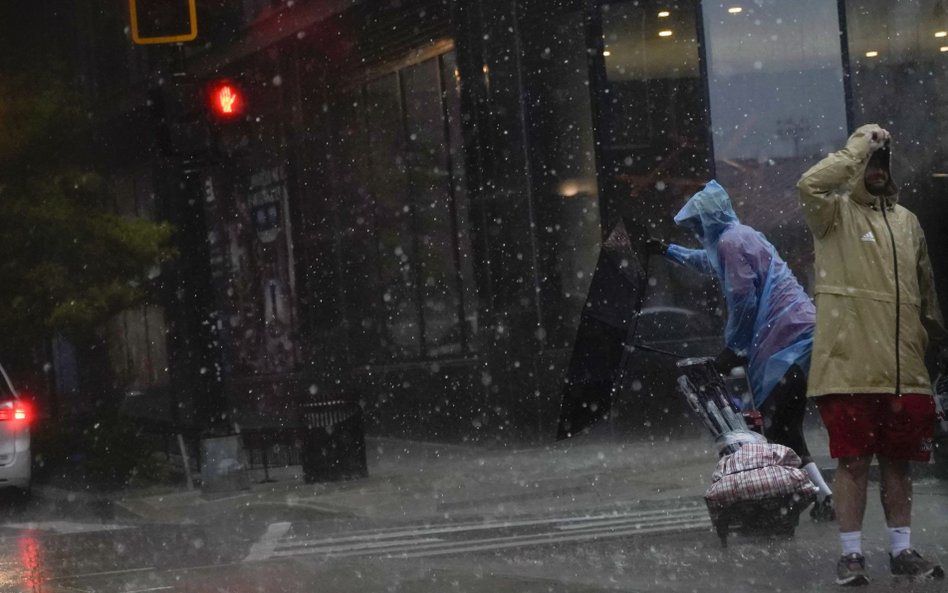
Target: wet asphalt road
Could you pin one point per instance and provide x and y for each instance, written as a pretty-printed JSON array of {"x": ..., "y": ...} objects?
[{"x": 90, "y": 546}]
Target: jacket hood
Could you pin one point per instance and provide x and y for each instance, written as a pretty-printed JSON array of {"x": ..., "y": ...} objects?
[
  {"x": 881, "y": 157},
  {"x": 708, "y": 214}
]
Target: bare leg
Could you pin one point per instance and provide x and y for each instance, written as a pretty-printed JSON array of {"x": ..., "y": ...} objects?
[
  {"x": 849, "y": 492},
  {"x": 895, "y": 489}
]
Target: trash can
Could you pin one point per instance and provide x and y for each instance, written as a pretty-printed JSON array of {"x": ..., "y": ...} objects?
[
  {"x": 223, "y": 467},
  {"x": 333, "y": 443}
]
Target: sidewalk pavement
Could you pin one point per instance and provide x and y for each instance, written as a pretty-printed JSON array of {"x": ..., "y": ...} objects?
[
  {"x": 416, "y": 480},
  {"x": 413, "y": 480}
]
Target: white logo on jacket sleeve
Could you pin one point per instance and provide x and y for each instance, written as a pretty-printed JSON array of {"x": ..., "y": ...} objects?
[{"x": 868, "y": 237}]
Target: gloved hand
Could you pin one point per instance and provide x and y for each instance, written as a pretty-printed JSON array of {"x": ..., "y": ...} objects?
[
  {"x": 878, "y": 139},
  {"x": 655, "y": 246},
  {"x": 727, "y": 360}
]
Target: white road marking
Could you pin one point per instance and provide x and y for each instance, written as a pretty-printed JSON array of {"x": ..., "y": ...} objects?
[
  {"x": 65, "y": 527},
  {"x": 107, "y": 573},
  {"x": 548, "y": 538},
  {"x": 417, "y": 541},
  {"x": 264, "y": 548},
  {"x": 560, "y": 522},
  {"x": 371, "y": 547},
  {"x": 685, "y": 516}
]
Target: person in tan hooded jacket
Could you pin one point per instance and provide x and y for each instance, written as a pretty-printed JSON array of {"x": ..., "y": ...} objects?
[{"x": 876, "y": 316}]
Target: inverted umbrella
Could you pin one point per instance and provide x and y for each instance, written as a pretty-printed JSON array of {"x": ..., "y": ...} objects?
[{"x": 606, "y": 332}]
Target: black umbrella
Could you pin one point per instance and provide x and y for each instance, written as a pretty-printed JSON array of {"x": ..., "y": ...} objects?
[{"x": 606, "y": 328}]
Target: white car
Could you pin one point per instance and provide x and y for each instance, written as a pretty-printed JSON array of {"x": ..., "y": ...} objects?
[{"x": 15, "y": 458}]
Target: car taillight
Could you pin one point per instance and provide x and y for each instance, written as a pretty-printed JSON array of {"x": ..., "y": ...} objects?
[{"x": 13, "y": 410}]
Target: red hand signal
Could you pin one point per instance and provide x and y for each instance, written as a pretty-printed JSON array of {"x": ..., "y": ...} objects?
[{"x": 226, "y": 99}]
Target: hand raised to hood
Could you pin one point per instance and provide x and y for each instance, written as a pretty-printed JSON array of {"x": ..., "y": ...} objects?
[{"x": 878, "y": 139}]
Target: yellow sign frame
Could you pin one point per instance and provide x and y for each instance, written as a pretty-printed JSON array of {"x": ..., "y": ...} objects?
[{"x": 189, "y": 36}]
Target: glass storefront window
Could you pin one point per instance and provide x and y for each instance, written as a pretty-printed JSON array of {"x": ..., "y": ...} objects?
[
  {"x": 562, "y": 160},
  {"x": 899, "y": 64},
  {"x": 348, "y": 168},
  {"x": 389, "y": 189},
  {"x": 646, "y": 52},
  {"x": 653, "y": 131},
  {"x": 775, "y": 77},
  {"x": 451, "y": 94},
  {"x": 429, "y": 179},
  {"x": 399, "y": 166},
  {"x": 138, "y": 348}
]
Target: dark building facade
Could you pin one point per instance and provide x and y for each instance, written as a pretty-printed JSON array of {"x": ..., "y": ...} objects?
[{"x": 410, "y": 209}]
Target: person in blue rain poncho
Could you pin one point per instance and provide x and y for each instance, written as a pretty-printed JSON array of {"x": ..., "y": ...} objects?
[{"x": 770, "y": 319}]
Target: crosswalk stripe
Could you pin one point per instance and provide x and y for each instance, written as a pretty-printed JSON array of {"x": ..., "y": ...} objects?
[
  {"x": 433, "y": 546},
  {"x": 566, "y": 522},
  {"x": 65, "y": 527},
  {"x": 549, "y": 539},
  {"x": 370, "y": 547},
  {"x": 694, "y": 515},
  {"x": 264, "y": 548}
]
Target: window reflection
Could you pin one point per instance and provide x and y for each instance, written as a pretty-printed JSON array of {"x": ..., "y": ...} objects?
[
  {"x": 349, "y": 171},
  {"x": 138, "y": 348},
  {"x": 399, "y": 172},
  {"x": 560, "y": 145},
  {"x": 457, "y": 189},
  {"x": 388, "y": 186},
  {"x": 640, "y": 46},
  {"x": 651, "y": 65},
  {"x": 903, "y": 88},
  {"x": 777, "y": 106},
  {"x": 32, "y": 563},
  {"x": 653, "y": 129},
  {"x": 429, "y": 181}
]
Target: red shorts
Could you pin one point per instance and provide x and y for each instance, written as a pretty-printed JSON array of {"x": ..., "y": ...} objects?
[{"x": 892, "y": 426}]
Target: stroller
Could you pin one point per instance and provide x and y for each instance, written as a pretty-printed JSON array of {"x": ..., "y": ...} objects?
[{"x": 757, "y": 488}]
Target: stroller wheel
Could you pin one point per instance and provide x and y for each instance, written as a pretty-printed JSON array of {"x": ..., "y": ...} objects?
[{"x": 822, "y": 510}]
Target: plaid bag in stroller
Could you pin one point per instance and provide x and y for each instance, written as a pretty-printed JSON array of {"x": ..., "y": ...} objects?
[
  {"x": 758, "y": 490},
  {"x": 758, "y": 487},
  {"x": 756, "y": 471}
]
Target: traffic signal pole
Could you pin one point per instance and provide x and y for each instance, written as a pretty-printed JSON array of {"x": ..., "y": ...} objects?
[{"x": 186, "y": 151}]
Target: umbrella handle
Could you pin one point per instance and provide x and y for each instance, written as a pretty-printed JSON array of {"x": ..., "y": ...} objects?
[
  {"x": 629, "y": 343},
  {"x": 640, "y": 346}
]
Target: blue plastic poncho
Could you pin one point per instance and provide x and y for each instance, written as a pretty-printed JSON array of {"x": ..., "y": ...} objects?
[{"x": 769, "y": 316}]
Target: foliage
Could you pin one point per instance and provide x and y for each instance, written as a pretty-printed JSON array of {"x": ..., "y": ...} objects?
[
  {"x": 104, "y": 452},
  {"x": 69, "y": 261}
]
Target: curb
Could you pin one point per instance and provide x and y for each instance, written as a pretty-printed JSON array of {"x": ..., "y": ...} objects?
[{"x": 102, "y": 504}]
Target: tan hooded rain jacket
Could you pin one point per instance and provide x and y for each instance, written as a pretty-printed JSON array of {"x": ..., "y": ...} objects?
[{"x": 876, "y": 310}]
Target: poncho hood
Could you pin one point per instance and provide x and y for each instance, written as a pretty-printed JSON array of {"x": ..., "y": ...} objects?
[{"x": 708, "y": 214}]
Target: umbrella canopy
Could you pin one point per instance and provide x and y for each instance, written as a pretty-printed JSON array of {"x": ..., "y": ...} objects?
[{"x": 606, "y": 326}]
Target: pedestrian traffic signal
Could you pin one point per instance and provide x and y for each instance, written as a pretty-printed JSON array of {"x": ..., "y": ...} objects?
[
  {"x": 226, "y": 99},
  {"x": 162, "y": 21}
]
